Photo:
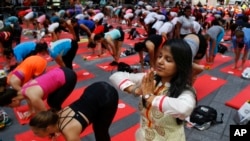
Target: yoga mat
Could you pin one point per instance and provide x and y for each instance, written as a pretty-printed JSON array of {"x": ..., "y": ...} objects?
[
  {"x": 206, "y": 84},
  {"x": 228, "y": 45},
  {"x": 81, "y": 74},
  {"x": 123, "y": 111},
  {"x": 25, "y": 39},
  {"x": 75, "y": 66},
  {"x": 84, "y": 75},
  {"x": 82, "y": 48},
  {"x": 73, "y": 96},
  {"x": 236, "y": 72},
  {"x": 91, "y": 57},
  {"x": 132, "y": 42},
  {"x": 65, "y": 35},
  {"x": 127, "y": 135},
  {"x": 19, "y": 111},
  {"x": 227, "y": 37},
  {"x": 2, "y": 60},
  {"x": 29, "y": 136},
  {"x": 83, "y": 40},
  {"x": 219, "y": 60},
  {"x": 228, "y": 32},
  {"x": 131, "y": 60},
  {"x": 30, "y": 26},
  {"x": 238, "y": 100}
]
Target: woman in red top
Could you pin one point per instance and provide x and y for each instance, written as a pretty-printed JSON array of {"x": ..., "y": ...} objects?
[{"x": 99, "y": 30}]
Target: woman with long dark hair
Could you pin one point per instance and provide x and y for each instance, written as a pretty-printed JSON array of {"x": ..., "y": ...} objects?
[{"x": 167, "y": 95}]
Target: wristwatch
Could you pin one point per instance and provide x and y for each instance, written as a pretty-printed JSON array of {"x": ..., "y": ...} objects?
[
  {"x": 147, "y": 96},
  {"x": 144, "y": 100}
]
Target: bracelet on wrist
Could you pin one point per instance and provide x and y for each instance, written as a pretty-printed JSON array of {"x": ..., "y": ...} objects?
[{"x": 145, "y": 103}]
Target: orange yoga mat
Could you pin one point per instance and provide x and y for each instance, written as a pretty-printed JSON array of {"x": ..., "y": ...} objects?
[
  {"x": 131, "y": 60},
  {"x": 219, "y": 60},
  {"x": 207, "y": 84},
  {"x": 239, "y": 99},
  {"x": 236, "y": 72},
  {"x": 127, "y": 135},
  {"x": 123, "y": 111}
]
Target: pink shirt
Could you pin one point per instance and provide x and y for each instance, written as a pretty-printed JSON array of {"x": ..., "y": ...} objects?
[{"x": 49, "y": 82}]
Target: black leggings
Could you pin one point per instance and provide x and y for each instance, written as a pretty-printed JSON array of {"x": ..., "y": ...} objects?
[
  {"x": 99, "y": 104},
  {"x": 56, "y": 98},
  {"x": 69, "y": 57}
]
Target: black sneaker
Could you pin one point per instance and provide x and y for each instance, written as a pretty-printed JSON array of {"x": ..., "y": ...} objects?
[{"x": 114, "y": 63}]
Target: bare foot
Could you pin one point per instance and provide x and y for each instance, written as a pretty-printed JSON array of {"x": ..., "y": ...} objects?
[
  {"x": 240, "y": 68},
  {"x": 210, "y": 63},
  {"x": 234, "y": 67}
]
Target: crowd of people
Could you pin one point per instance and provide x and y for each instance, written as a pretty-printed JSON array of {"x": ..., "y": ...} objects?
[{"x": 176, "y": 38}]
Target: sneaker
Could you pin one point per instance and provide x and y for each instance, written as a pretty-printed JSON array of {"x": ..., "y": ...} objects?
[
  {"x": 114, "y": 63},
  {"x": 123, "y": 54},
  {"x": 5, "y": 119},
  {"x": 203, "y": 126}
]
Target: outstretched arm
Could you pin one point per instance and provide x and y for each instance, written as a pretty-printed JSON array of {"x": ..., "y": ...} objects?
[
  {"x": 59, "y": 61},
  {"x": 86, "y": 29},
  {"x": 152, "y": 53},
  {"x": 35, "y": 100},
  {"x": 15, "y": 82}
]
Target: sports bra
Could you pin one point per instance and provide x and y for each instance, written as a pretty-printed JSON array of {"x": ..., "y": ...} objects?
[{"x": 76, "y": 116}]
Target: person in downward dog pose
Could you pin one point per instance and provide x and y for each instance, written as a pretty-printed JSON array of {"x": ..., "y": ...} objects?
[{"x": 54, "y": 86}]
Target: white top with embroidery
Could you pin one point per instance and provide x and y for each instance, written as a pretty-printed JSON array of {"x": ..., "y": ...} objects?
[{"x": 156, "y": 125}]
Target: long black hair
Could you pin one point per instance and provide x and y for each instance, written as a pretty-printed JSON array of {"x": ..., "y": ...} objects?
[{"x": 182, "y": 80}]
